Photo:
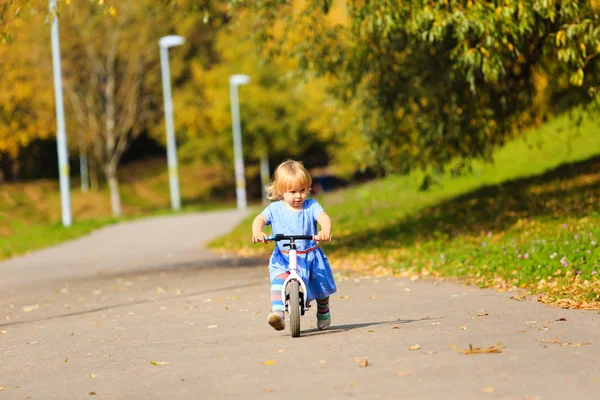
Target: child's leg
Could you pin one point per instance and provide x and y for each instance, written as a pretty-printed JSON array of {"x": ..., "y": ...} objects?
[
  {"x": 323, "y": 317},
  {"x": 276, "y": 318}
]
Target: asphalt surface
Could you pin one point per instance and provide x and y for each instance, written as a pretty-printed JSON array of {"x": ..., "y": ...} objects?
[{"x": 141, "y": 310}]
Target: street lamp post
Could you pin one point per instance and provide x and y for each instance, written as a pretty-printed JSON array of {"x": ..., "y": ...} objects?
[
  {"x": 165, "y": 43},
  {"x": 61, "y": 135},
  {"x": 240, "y": 179},
  {"x": 264, "y": 174}
]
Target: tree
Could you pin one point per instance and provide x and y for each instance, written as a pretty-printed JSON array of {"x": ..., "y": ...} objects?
[
  {"x": 442, "y": 82},
  {"x": 26, "y": 96}
]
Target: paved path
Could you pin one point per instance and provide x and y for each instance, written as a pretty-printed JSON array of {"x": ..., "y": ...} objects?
[{"x": 133, "y": 322}]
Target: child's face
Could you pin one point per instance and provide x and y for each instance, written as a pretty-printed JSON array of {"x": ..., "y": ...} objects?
[{"x": 295, "y": 195}]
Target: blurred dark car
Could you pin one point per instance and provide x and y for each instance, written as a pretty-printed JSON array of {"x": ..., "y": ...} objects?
[{"x": 327, "y": 183}]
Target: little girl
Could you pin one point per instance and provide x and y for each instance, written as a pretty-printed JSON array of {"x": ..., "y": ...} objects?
[{"x": 293, "y": 214}]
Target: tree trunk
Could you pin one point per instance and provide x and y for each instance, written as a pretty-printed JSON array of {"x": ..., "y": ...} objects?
[
  {"x": 7, "y": 167},
  {"x": 113, "y": 185},
  {"x": 94, "y": 183}
]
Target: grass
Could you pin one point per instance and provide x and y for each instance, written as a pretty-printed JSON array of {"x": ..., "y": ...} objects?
[{"x": 529, "y": 221}]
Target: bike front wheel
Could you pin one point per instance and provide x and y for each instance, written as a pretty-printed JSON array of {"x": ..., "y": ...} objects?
[{"x": 294, "y": 305}]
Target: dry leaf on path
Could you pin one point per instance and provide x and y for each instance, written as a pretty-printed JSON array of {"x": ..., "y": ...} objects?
[
  {"x": 415, "y": 347},
  {"x": 464, "y": 328},
  {"x": 159, "y": 363},
  {"x": 555, "y": 340},
  {"x": 495, "y": 348},
  {"x": 519, "y": 298},
  {"x": 268, "y": 362},
  {"x": 578, "y": 344},
  {"x": 364, "y": 363}
]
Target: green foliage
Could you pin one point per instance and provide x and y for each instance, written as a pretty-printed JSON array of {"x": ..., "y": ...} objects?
[{"x": 441, "y": 80}]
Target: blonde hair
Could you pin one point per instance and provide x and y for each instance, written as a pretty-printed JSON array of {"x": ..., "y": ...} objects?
[{"x": 288, "y": 172}]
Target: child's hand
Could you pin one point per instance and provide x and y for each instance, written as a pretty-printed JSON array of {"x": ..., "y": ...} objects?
[
  {"x": 259, "y": 237},
  {"x": 324, "y": 236}
]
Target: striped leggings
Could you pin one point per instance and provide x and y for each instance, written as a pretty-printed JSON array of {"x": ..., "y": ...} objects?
[{"x": 277, "y": 302}]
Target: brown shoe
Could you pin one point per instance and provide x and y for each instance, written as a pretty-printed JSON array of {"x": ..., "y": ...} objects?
[{"x": 276, "y": 321}]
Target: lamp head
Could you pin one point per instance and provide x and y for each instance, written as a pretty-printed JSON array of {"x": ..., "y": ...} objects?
[
  {"x": 239, "y": 79},
  {"x": 171, "y": 41}
]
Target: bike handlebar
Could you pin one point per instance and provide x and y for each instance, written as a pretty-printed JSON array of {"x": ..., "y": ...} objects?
[{"x": 281, "y": 236}]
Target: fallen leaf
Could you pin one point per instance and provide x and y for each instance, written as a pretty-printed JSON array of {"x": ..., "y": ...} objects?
[
  {"x": 406, "y": 289},
  {"x": 1, "y": 388},
  {"x": 31, "y": 308},
  {"x": 555, "y": 340},
  {"x": 372, "y": 297},
  {"x": 488, "y": 389},
  {"x": 93, "y": 375},
  {"x": 561, "y": 319},
  {"x": 519, "y": 298},
  {"x": 159, "y": 363},
  {"x": 3, "y": 332},
  {"x": 268, "y": 362},
  {"x": 395, "y": 327},
  {"x": 464, "y": 328},
  {"x": 345, "y": 297},
  {"x": 482, "y": 315},
  {"x": 33, "y": 343},
  {"x": 364, "y": 363},
  {"x": 495, "y": 348},
  {"x": 67, "y": 359},
  {"x": 212, "y": 326},
  {"x": 92, "y": 393},
  {"x": 415, "y": 347},
  {"x": 578, "y": 344}
]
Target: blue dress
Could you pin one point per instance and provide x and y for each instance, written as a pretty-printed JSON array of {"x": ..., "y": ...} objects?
[{"x": 313, "y": 267}]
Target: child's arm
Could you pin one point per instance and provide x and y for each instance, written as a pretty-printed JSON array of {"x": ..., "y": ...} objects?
[
  {"x": 325, "y": 232},
  {"x": 257, "y": 229}
]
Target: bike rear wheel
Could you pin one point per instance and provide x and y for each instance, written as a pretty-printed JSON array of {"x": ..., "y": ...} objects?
[{"x": 294, "y": 305}]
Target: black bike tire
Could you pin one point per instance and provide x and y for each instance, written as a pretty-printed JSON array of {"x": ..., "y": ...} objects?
[{"x": 294, "y": 308}]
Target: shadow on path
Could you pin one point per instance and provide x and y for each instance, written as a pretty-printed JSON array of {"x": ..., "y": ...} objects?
[{"x": 132, "y": 303}]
